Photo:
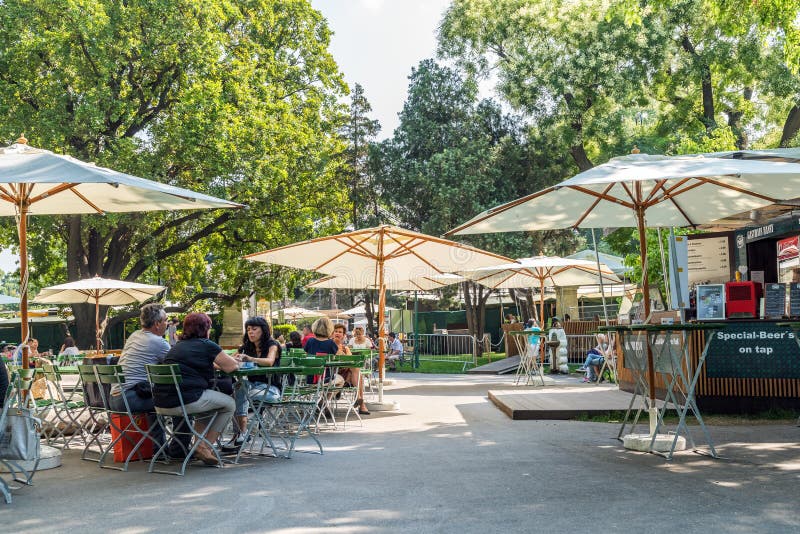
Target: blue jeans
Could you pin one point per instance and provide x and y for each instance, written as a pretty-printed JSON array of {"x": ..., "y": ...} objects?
[
  {"x": 139, "y": 405},
  {"x": 592, "y": 359},
  {"x": 262, "y": 391}
]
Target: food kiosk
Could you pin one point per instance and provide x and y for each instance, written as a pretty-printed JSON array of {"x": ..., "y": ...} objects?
[{"x": 748, "y": 279}]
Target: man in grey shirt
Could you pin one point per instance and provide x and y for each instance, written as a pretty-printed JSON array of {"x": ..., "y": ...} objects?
[{"x": 143, "y": 347}]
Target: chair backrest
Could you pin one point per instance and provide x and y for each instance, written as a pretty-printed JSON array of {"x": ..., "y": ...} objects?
[
  {"x": 109, "y": 374},
  {"x": 50, "y": 372},
  {"x": 164, "y": 374},
  {"x": 86, "y": 372},
  {"x": 349, "y": 360},
  {"x": 296, "y": 352}
]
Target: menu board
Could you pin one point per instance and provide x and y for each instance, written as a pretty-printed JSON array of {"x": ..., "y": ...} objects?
[
  {"x": 709, "y": 260},
  {"x": 794, "y": 299},
  {"x": 711, "y": 302},
  {"x": 775, "y": 300}
]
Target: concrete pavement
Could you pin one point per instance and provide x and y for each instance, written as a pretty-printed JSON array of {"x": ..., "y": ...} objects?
[{"x": 447, "y": 461}]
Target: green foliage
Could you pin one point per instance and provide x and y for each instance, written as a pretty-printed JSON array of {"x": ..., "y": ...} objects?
[
  {"x": 283, "y": 330},
  {"x": 235, "y": 99}
]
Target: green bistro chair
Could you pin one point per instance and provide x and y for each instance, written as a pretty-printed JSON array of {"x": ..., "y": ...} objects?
[
  {"x": 97, "y": 438},
  {"x": 112, "y": 375},
  {"x": 64, "y": 411},
  {"x": 346, "y": 395},
  {"x": 170, "y": 375},
  {"x": 299, "y": 405}
]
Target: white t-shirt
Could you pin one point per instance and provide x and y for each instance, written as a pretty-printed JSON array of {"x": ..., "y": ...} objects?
[
  {"x": 70, "y": 351},
  {"x": 366, "y": 344}
]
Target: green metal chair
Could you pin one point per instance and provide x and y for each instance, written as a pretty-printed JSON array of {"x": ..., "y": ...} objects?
[
  {"x": 97, "y": 438},
  {"x": 113, "y": 375},
  {"x": 170, "y": 375},
  {"x": 63, "y": 410}
]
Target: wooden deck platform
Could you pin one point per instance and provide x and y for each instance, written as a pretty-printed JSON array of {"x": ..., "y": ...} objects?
[{"x": 559, "y": 402}]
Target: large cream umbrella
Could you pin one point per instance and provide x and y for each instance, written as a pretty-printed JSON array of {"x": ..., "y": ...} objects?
[
  {"x": 643, "y": 190},
  {"x": 542, "y": 272},
  {"x": 382, "y": 255},
  {"x": 105, "y": 291},
  {"x": 38, "y": 182}
]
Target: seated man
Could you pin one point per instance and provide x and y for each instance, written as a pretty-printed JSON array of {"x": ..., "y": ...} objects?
[
  {"x": 395, "y": 351},
  {"x": 595, "y": 358}
]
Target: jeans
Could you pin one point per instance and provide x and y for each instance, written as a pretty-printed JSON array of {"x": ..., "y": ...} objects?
[
  {"x": 262, "y": 391},
  {"x": 139, "y": 405},
  {"x": 592, "y": 359}
]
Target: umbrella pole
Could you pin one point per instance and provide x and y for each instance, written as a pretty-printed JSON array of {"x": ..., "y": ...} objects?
[
  {"x": 541, "y": 317},
  {"x": 381, "y": 321},
  {"x": 97, "y": 321},
  {"x": 23, "y": 273},
  {"x": 651, "y": 374},
  {"x": 600, "y": 273},
  {"x": 416, "y": 329}
]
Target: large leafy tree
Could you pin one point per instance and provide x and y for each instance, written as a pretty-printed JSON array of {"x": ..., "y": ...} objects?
[
  {"x": 453, "y": 156},
  {"x": 234, "y": 98}
]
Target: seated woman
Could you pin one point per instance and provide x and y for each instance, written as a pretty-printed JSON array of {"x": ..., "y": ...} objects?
[
  {"x": 295, "y": 341},
  {"x": 321, "y": 344},
  {"x": 351, "y": 375},
  {"x": 595, "y": 358},
  {"x": 197, "y": 356},
  {"x": 360, "y": 340},
  {"x": 258, "y": 347},
  {"x": 69, "y": 348}
]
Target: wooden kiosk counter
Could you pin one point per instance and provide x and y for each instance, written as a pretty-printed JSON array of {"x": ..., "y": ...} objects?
[{"x": 751, "y": 366}]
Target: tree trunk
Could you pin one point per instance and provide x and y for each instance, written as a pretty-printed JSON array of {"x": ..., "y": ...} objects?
[
  {"x": 475, "y": 298},
  {"x": 791, "y": 126}
]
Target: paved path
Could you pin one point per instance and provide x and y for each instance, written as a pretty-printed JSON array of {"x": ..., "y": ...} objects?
[{"x": 448, "y": 461}]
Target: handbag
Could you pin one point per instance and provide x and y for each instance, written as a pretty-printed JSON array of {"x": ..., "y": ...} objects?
[{"x": 20, "y": 437}]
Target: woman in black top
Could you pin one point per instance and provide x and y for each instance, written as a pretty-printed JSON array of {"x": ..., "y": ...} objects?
[
  {"x": 258, "y": 347},
  {"x": 196, "y": 355}
]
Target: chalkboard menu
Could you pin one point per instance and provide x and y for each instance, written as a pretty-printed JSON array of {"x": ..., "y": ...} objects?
[
  {"x": 794, "y": 299},
  {"x": 774, "y": 300}
]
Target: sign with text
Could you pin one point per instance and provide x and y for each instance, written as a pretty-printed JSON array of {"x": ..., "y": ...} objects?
[
  {"x": 775, "y": 298},
  {"x": 753, "y": 350},
  {"x": 709, "y": 260}
]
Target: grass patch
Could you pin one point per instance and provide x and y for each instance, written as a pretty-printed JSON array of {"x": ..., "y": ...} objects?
[{"x": 447, "y": 367}]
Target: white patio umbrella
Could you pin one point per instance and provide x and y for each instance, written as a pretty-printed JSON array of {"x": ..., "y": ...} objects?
[
  {"x": 382, "y": 255},
  {"x": 296, "y": 312},
  {"x": 105, "y": 291},
  {"x": 542, "y": 272},
  {"x": 8, "y": 299},
  {"x": 38, "y": 182},
  {"x": 423, "y": 283},
  {"x": 642, "y": 190}
]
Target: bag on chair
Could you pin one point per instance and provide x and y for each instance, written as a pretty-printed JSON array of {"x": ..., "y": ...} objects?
[{"x": 20, "y": 438}]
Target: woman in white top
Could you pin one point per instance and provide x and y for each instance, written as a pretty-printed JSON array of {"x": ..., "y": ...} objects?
[
  {"x": 69, "y": 348},
  {"x": 359, "y": 340}
]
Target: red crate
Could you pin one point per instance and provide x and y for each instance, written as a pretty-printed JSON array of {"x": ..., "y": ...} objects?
[{"x": 123, "y": 447}]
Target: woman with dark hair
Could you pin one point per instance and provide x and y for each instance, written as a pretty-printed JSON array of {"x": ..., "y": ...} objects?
[
  {"x": 197, "y": 356},
  {"x": 69, "y": 348},
  {"x": 295, "y": 340},
  {"x": 258, "y": 347}
]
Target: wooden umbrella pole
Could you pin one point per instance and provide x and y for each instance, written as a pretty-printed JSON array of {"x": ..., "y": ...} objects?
[
  {"x": 651, "y": 373},
  {"x": 541, "y": 318},
  {"x": 23, "y": 272},
  {"x": 381, "y": 321},
  {"x": 97, "y": 321}
]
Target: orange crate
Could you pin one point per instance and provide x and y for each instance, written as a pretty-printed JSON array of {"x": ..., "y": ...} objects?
[{"x": 123, "y": 447}]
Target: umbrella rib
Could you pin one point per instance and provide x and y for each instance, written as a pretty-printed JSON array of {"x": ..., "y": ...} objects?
[
  {"x": 87, "y": 201},
  {"x": 668, "y": 195},
  {"x": 602, "y": 196},
  {"x": 54, "y": 191},
  {"x": 499, "y": 209},
  {"x": 739, "y": 190},
  {"x": 6, "y": 195},
  {"x": 349, "y": 248},
  {"x": 403, "y": 246},
  {"x": 593, "y": 206}
]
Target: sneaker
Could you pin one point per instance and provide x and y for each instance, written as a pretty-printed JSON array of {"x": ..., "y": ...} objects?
[
  {"x": 581, "y": 369},
  {"x": 586, "y": 380}
]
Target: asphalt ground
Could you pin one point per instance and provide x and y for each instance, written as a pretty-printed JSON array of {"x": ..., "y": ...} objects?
[{"x": 446, "y": 461}]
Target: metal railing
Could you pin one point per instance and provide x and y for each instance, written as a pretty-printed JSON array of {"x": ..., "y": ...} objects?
[
  {"x": 578, "y": 345},
  {"x": 447, "y": 348}
]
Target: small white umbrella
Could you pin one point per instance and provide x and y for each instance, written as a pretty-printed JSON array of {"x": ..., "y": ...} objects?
[
  {"x": 379, "y": 255},
  {"x": 8, "y": 299},
  {"x": 105, "y": 291},
  {"x": 542, "y": 272},
  {"x": 38, "y": 182},
  {"x": 296, "y": 312}
]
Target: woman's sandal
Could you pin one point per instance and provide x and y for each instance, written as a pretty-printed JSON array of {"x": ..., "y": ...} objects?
[{"x": 207, "y": 457}]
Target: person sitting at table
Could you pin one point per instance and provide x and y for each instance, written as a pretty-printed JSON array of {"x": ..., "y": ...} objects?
[
  {"x": 595, "y": 358},
  {"x": 351, "y": 375},
  {"x": 69, "y": 348},
  {"x": 33, "y": 351},
  {"x": 259, "y": 347},
  {"x": 295, "y": 341},
  {"x": 145, "y": 346},
  {"x": 197, "y": 356},
  {"x": 322, "y": 345},
  {"x": 359, "y": 339},
  {"x": 395, "y": 351},
  {"x": 307, "y": 334}
]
